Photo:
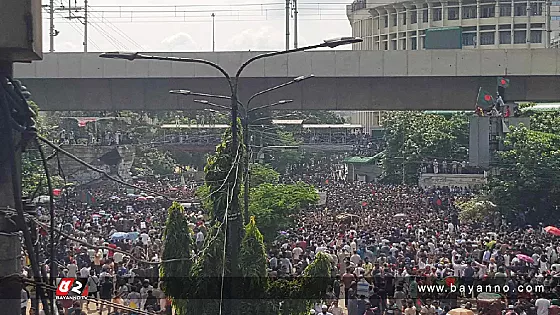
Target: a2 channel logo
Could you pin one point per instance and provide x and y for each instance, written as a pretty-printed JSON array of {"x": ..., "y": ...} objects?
[{"x": 72, "y": 289}]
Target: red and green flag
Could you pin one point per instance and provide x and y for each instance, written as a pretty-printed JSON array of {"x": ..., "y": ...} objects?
[
  {"x": 503, "y": 82},
  {"x": 485, "y": 99}
]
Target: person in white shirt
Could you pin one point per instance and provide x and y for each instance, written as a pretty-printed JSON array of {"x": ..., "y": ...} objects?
[
  {"x": 296, "y": 252},
  {"x": 542, "y": 305},
  {"x": 144, "y": 238},
  {"x": 84, "y": 272},
  {"x": 118, "y": 257},
  {"x": 199, "y": 239},
  {"x": 355, "y": 258},
  {"x": 72, "y": 270}
]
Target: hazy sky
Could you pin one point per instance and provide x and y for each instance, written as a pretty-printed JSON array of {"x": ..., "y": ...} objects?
[{"x": 186, "y": 25}]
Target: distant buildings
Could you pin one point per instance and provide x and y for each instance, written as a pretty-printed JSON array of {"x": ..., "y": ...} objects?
[{"x": 486, "y": 24}]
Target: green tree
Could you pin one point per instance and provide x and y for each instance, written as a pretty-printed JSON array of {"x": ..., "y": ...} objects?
[
  {"x": 274, "y": 205},
  {"x": 155, "y": 161},
  {"x": 223, "y": 173},
  {"x": 260, "y": 174},
  {"x": 252, "y": 264},
  {"x": 177, "y": 246},
  {"x": 413, "y": 137},
  {"x": 528, "y": 177},
  {"x": 476, "y": 211}
]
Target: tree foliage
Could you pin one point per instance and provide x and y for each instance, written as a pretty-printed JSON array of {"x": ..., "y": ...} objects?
[
  {"x": 528, "y": 179},
  {"x": 274, "y": 205},
  {"x": 413, "y": 137},
  {"x": 476, "y": 211},
  {"x": 260, "y": 174},
  {"x": 223, "y": 174},
  {"x": 177, "y": 244},
  {"x": 151, "y": 160}
]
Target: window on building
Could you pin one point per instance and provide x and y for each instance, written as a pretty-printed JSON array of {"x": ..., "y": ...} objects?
[
  {"x": 555, "y": 18},
  {"x": 385, "y": 45},
  {"x": 413, "y": 43},
  {"x": 520, "y": 9},
  {"x": 536, "y": 8},
  {"x": 469, "y": 39},
  {"x": 413, "y": 17},
  {"x": 437, "y": 14},
  {"x": 423, "y": 42},
  {"x": 469, "y": 12},
  {"x": 394, "y": 44},
  {"x": 386, "y": 21},
  {"x": 505, "y": 9},
  {"x": 556, "y": 3},
  {"x": 487, "y": 38},
  {"x": 487, "y": 11},
  {"x": 403, "y": 18},
  {"x": 453, "y": 13},
  {"x": 395, "y": 19},
  {"x": 403, "y": 44},
  {"x": 519, "y": 37},
  {"x": 536, "y": 37},
  {"x": 505, "y": 37},
  {"x": 425, "y": 15}
]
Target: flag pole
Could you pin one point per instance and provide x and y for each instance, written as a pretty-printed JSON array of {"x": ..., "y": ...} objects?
[{"x": 476, "y": 107}]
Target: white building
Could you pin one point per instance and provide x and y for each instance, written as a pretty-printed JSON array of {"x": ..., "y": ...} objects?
[{"x": 486, "y": 24}]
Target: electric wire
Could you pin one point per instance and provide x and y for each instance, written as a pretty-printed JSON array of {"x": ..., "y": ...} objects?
[
  {"x": 104, "y": 173},
  {"x": 52, "y": 217},
  {"x": 79, "y": 30},
  {"x": 119, "y": 31},
  {"x": 12, "y": 100},
  {"x": 112, "y": 40}
]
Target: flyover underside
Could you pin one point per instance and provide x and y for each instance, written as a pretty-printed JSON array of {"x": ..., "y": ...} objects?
[{"x": 321, "y": 93}]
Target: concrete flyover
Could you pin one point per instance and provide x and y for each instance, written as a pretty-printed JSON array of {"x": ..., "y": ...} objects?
[{"x": 345, "y": 80}]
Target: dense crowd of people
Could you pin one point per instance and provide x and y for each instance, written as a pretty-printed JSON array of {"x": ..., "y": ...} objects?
[{"x": 385, "y": 244}]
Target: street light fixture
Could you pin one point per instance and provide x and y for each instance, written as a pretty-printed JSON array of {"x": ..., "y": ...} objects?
[
  {"x": 234, "y": 228},
  {"x": 208, "y": 103}
]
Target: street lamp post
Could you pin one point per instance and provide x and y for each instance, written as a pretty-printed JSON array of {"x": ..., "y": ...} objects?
[
  {"x": 234, "y": 226},
  {"x": 245, "y": 124}
]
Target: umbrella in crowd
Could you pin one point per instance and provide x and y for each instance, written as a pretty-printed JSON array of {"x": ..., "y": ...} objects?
[
  {"x": 552, "y": 230},
  {"x": 118, "y": 236},
  {"x": 525, "y": 258}
]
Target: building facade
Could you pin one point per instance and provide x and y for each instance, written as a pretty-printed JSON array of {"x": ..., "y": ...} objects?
[
  {"x": 369, "y": 119},
  {"x": 485, "y": 24}
]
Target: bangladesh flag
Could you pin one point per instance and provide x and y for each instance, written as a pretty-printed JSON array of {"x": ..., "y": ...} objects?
[
  {"x": 485, "y": 99},
  {"x": 503, "y": 82}
]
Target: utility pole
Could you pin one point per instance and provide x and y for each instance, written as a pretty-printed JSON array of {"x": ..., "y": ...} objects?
[
  {"x": 295, "y": 25},
  {"x": 213, "y": 32},
  {"x": 82, "y": 19},
  {"x": 288, "y": 24},
  {"x": 51, "y": 31},
  {"x": 10, "y": 243},
  {"x": 85, "y": 25}
]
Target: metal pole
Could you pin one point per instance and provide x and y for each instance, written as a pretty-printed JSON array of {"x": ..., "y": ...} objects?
[
  {"x": 10, "y": 243},
  {"x": 234, "y": 225},
  {"x": 287, "y": 24},
  {"x": 51, "y": 33},
  {"x": 547, "y": 21},
  {"x": 85, "y": 25},
  {"x": 213, "y": 32},
  {"x": 246, "y": 164},
  {"x": 295, "y": 25}
]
